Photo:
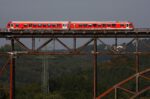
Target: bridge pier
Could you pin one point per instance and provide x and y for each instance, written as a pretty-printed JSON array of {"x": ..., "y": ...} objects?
[
  {"x": 137, "y": 65},
  {"x": 74, "y": 43},
  {"x": 95, "y": 69},
  {"x": 12, "y": 71},
  {"x": 33, "y": 44},
  {"x": 116, "y": 93}
]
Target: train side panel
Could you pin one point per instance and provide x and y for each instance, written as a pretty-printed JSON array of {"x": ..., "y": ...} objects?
[
  {"x": 37, "y": 25},
  {"x": 87, "y": 25},
  {"x": 66, "y": 25}
]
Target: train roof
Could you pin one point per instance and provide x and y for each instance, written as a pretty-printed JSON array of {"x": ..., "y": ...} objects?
[
  {"x": 70, "y": 21},
  {"x": 39, "y": 21},
  {"x": 100, "y": 21}
]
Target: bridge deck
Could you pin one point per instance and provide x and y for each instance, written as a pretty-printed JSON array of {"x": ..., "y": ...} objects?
[{"x": 139, "y": 32}]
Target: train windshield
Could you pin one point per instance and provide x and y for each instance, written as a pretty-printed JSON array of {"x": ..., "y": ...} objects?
[
  {"x": 8, "y": 25},
  {"x": 11, "y": 25}
]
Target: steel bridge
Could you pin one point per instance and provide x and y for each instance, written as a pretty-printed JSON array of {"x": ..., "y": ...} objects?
[
  {"x": 139, "y": 32},
  {"x": 93, "y": 36}
]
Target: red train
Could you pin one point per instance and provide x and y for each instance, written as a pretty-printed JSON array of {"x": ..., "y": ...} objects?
[{"x": 69, "y": 25}]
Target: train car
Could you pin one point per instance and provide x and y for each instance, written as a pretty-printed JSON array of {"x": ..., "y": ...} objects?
[
  {"x": 38, "y": 25},
  {"x": 101, "y": 25},
  {"x": 69, "y": 25}
]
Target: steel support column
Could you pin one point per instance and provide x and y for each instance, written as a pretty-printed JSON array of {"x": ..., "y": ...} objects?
[
  {"x": 12, "y": 71},
  {"x": 137, "y": 64},
  {"x": 95, "y": 69},
  {"x": 116, "y": 42},
  {"x": 33, "y": 44},
  {"x": 74, "y": 43},
  {"x": 116, "y": 93}
]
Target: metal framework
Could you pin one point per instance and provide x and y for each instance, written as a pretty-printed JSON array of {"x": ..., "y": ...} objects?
[
  {"x": 139, "y": 32},
  {"x": 94, "y": 36}
]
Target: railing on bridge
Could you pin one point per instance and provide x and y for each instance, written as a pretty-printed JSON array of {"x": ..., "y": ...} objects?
[{"x": 120, "y": 86}]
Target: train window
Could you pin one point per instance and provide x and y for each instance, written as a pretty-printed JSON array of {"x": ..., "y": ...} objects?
[
  {"x": 94, "y": 25},
  {"x": 40, "y": 25},
  {"x": 17, "y": 25},
  {"x": 85, "y": 25},
  {"x": 53, "y": 25},
  {"x": 25, "y": 25},
  {"x": 127, "y": 25},
  {"x": 113, "y": 25},
  {"x": 90, "y": 25},
  {"x": 80, "y": 25},
  {"x": 30, "y": 25},
  {"x": 58, "y": 25},
  {"x": 99, "y": 25},
  {"x": 44, "y": 25},
  {"x": 48, "y": 25},
  {"x": 34, "y": 25},
  {"x": 11, "y": 25},
  {"x": 122, "y": 25},
  {"x": 108, "y": 25},
  {"x": 104, "y": 25}
]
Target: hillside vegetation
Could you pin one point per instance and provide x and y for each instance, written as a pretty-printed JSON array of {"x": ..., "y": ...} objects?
[{"x": 71, "y": 77}]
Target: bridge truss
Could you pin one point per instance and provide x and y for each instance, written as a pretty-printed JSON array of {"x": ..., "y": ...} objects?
[{"x": 94, "y": 37}]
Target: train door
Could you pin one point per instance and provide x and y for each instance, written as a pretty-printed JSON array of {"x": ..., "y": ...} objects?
[
  {"x": 127, "y": 26},
  {"x": 11, "y": 26},
  {"x": 64, "y": 26}
]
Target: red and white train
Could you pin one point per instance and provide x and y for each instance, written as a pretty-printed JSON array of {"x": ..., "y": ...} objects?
[{"x": 69, "y": 25}]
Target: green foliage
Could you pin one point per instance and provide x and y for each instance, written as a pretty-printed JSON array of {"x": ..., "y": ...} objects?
[
  {"x": 5, "y": 48},
  {"x": 3, "y": 92},
  {"x": 71, "y": 77}
]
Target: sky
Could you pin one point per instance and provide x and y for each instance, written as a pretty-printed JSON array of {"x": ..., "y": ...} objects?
[{"x": 136, "y": 11}]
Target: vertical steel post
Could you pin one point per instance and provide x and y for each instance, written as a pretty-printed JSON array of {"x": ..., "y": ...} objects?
[
  {"x": 12, "y": 71},
  {"x": 33, "y": 44},
  {"x": 116, "y": 42},
  {"x": 74, "y": 43},
  {"x": 137, "y": 64},
  {"x": 95, "y": 69},
  {"x": 54, "y": 44},
  {"x": 45, "y": 76},
  {"x": 116, "y": 93}
]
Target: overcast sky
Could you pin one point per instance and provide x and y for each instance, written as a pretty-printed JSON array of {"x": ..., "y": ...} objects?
[{"x": 136, "y": 11}]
